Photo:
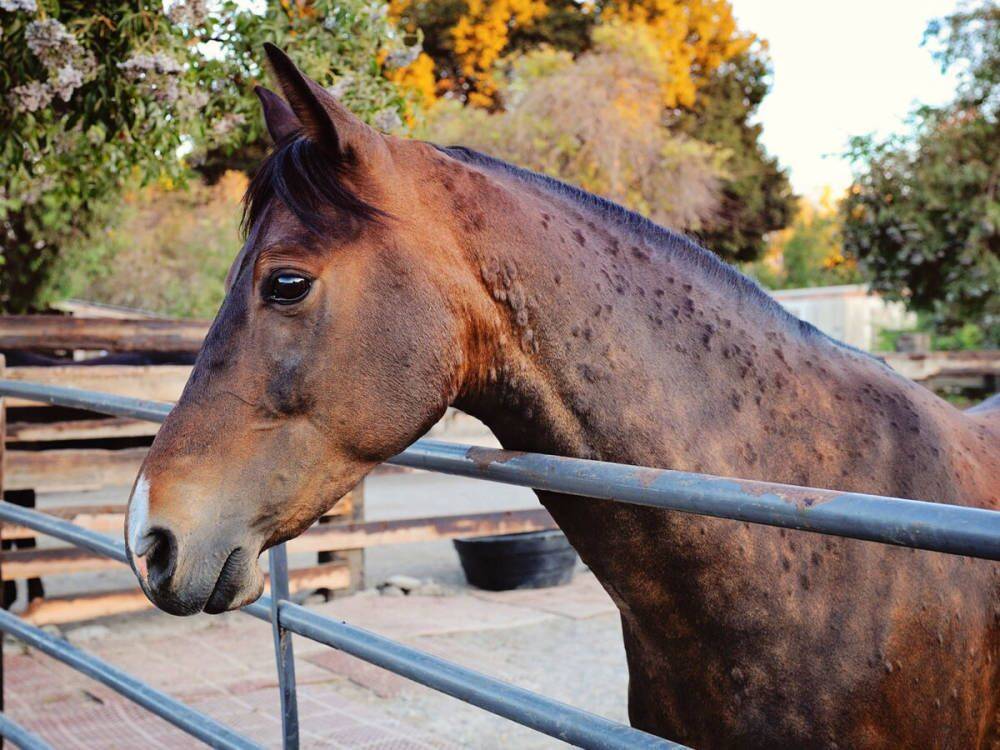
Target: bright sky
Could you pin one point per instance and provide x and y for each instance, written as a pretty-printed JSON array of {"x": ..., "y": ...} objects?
[{"x": 841, "y": 68}]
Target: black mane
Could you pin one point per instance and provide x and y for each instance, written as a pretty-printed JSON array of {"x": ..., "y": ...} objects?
[{"x": 306, "y": 178}]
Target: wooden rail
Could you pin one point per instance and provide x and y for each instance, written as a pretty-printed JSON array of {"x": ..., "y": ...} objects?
[
  {"x": 331, "y": 537},
  {"x": 335, "y": 576},
  {"x": 928, "y": 365},
  {"x": 115, "y": 334}
]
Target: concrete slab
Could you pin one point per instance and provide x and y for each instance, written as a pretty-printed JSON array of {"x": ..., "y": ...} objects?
[{"x": 584, "y": 597}]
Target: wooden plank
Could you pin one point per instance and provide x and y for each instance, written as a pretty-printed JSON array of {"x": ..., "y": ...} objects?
[
  {"x": 58, "y": 610},
  {"x": 72, "y": 469},
  {"x": 109, "y": 518},
  {"x": 927, "y": 365},
  {"x": 35, "y": 563},
  {"x": 153, "y": 382},
  {"x": 84, "y": 309},
  {"x": 112, "y": 334},
  {"x": 79, "y": 429},
  {"x": 345, "y": 536}
]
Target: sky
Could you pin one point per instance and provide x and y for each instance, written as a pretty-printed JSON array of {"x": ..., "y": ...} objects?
[{"x": 841, "y": 68}]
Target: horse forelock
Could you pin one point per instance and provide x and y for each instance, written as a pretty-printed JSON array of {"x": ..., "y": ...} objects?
[{"x": 308, "y": 180}]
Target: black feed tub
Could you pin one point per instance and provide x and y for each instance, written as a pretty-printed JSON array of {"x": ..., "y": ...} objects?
[{"x": 532, "y": 560}]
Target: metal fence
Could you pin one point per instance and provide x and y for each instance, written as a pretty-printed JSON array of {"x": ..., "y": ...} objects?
[{"x": 954, "y": 529}]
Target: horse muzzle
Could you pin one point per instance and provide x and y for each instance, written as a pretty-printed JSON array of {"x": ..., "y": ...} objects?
[{"x": 212, "y": 569}]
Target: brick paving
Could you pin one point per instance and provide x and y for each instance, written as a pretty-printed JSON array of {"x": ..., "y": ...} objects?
[{"x": 564, "y": 642}]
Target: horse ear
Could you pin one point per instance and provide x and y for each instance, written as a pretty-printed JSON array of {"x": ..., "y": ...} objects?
[
  {"x": 278, "y": 116},
  {"x": 324, "y": 119}
]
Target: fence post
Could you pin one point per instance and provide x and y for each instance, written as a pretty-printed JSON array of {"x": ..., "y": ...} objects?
[{"x": 283, "y": 654}]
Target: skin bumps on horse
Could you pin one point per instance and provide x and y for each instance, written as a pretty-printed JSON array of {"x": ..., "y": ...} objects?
[{"x": 384, "y": 280}]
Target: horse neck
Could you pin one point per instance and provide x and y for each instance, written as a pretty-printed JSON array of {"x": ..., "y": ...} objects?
[{"x": 606, "y": 345}]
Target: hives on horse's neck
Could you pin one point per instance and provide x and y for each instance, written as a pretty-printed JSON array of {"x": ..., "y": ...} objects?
[{"x": 617, "y": 327}]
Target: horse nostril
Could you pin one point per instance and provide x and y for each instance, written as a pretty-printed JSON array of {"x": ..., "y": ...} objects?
[{"x": 161, "y": 557}]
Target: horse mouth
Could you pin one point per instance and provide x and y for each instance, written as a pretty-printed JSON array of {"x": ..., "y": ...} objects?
[{"x": 227, "y": 585}]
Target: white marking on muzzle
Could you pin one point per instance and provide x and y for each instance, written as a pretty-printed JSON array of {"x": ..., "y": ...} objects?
[{"x": 138, "y": 516}]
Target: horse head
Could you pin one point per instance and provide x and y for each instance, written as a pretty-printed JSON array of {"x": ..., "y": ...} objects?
[{"x": 325, "y": 358}]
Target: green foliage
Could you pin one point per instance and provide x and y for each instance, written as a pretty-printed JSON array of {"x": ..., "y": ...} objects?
[
  {"x": 339, "y": 44},
  {"x": 807, "y": 253},
  {"x": 76, "y": 125},
  {"x": 923, "y": 216},
  {"x": 165, "y": 251},
  {"x": 101, "y": 94},
  {"x": 967, "y": 337},
  {"x": 757, "y": 197}
]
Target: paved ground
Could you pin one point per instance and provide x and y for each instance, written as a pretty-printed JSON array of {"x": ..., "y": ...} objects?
[{"x": 563, "y": 642}]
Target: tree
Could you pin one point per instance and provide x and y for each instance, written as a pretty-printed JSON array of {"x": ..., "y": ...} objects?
[
  {"x": 923, "y": 215},
  {"x": 808, "y": 252},
  {"x": 712, "y": 78},
  {"x": 596, "y": 121},
  {"x": 102, "y": 94},
  {"x": 86, "y": 105},
  {"x": 757, "y": 197},
  {"x": 468, "y": 39}
]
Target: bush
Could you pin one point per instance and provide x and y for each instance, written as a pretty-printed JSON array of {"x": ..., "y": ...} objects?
[{"x": 165, "y": 250}]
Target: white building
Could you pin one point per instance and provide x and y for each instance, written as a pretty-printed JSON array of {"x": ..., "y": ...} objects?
[{"x": 850, "y": 313}]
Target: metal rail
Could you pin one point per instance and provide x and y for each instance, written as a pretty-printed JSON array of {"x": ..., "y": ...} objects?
[
  {"x": 538, "y": 712},
  {"x": 284, "y": 657},
  {"x": 20, "y": 736},
  {"x": 940, "y": 527},
  {"x": 195, "y": 723}
]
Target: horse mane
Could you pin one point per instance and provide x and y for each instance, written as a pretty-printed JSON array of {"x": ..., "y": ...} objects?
[
  {"x": 675, "y": 243},
  {"x": 306, "y": 178}
]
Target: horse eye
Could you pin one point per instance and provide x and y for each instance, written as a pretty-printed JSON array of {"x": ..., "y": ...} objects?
[{"x": 288, "y": 287}]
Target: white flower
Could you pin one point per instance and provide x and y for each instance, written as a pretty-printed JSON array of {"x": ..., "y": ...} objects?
[
  {"x": 341, "y": 87},
  {"x": 400, "y": 58},
  {"x": 157, "y": 73},
  {"x": 388, "y": 120},
  {"x": 143, "y": 64},
  {"x": 30, "y": 97},
  {"x": 188, "y": 12},
  {"x": 15, "y": 5},
  {"x": 50, "y": 42},
  {"x": 227, "y": 124},
  {"x": 67, "y": 80},
  {"x": 69, "y": 65}
]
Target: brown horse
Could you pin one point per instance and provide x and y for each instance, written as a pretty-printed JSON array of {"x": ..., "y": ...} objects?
[{"x": 383, "y": 280}]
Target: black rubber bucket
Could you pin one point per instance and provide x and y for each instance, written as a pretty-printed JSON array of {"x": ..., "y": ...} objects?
[{"x": 533, "y": 560}]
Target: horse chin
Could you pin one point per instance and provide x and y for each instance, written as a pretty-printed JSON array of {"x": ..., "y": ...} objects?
[{"x": 237, "y": 585}]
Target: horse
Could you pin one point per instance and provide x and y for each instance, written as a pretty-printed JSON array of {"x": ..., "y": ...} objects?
[{"x": 384, "y": 279}]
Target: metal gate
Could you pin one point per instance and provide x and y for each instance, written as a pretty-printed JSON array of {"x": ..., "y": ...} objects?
[{"x": 959, "y": 530}]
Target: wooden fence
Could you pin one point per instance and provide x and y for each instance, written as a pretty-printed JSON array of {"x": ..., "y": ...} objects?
[{"x": 50, "y": 449}]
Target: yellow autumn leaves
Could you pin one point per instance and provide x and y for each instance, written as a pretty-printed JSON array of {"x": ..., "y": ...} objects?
[{"x": 690, "y": 39}]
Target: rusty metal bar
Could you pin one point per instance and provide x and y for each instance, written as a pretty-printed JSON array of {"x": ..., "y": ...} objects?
[{"x": 955, "y": 529}]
